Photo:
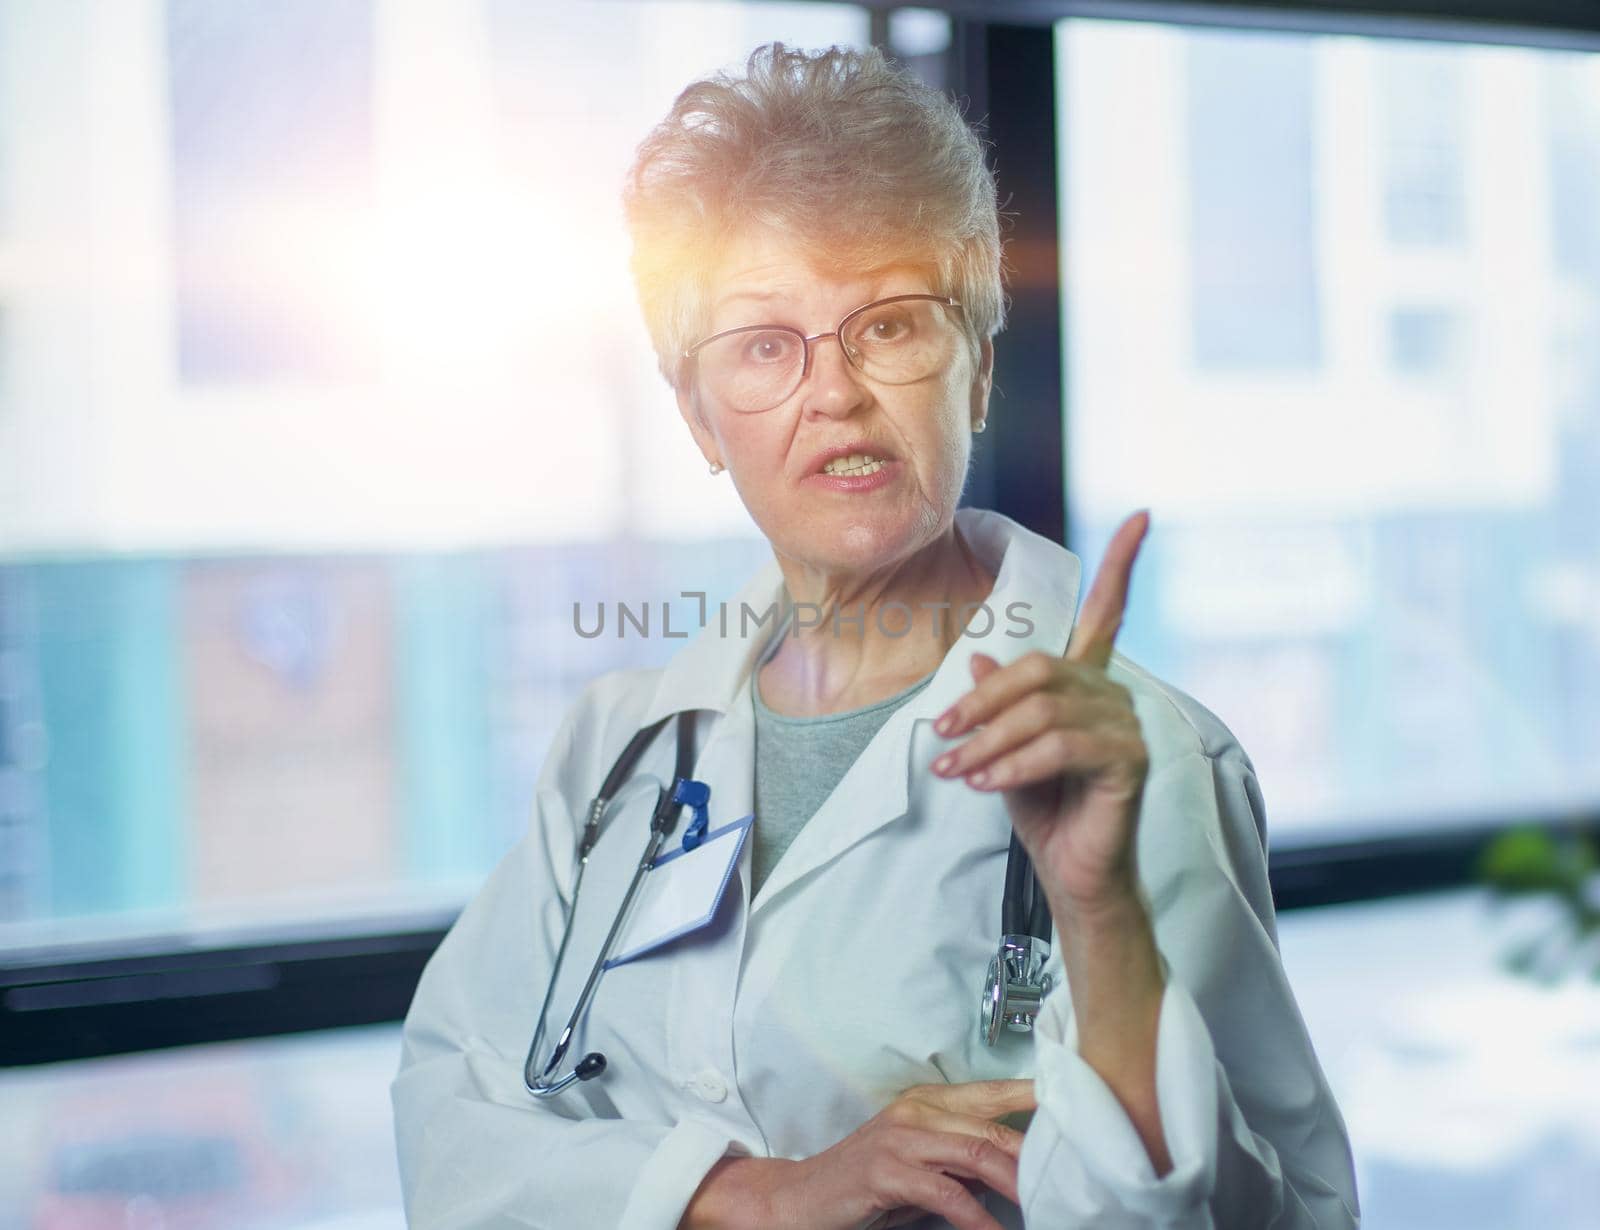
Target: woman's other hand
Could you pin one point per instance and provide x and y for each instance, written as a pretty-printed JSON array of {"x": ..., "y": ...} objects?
[{"x": 918, "y": 1155}]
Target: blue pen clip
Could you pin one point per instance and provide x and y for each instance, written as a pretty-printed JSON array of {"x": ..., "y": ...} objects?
[{"x": 694, "y": 795}]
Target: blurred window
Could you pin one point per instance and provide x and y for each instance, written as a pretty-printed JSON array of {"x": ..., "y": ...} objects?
[
  {"x": 269, "y": 184},
  {"x": 1251, "y": 253},
  {"x": 1330, "y": 307},
  {"x": 284, "y": 1132},
  {"x": 154, "y": 1164},
  {"x": 1423, "y": 118},
  {"x": 325, "y": 403},
  {"x": 1424, "y": 341}
]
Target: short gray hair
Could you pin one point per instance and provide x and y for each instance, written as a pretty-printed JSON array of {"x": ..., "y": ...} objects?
[{"x": 854, "y": 156}]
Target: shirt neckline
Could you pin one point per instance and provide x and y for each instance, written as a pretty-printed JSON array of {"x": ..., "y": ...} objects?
[{"x": 788, "y": 720}]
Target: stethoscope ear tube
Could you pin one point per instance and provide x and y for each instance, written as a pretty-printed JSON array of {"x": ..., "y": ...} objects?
[
  {"x": 1024, "y": 911},
  {"x": 663, "y": 818}
]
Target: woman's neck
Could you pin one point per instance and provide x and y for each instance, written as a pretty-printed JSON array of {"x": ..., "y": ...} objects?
[{"x": 853, "y": 643}]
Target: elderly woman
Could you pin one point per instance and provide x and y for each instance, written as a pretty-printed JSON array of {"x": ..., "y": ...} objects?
[{"x": 817, "y": 255}]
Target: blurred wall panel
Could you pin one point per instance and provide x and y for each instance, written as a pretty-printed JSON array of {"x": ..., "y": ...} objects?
[
  {"x": 102, "y": 634},
  {"x": 288, "y": 669}
]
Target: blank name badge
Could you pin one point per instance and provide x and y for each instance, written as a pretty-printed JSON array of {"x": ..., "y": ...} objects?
[{"x": 681, "y": 892}]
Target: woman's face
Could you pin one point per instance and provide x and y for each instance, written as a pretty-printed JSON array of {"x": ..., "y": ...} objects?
[{"x": 923, "y": 430}]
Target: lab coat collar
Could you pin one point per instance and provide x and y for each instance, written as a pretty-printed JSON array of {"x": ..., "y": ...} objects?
[{"x": 713, "y": 669}]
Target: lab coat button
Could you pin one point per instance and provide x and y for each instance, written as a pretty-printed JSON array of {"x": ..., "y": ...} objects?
[{"x": 709, "y": 1085}]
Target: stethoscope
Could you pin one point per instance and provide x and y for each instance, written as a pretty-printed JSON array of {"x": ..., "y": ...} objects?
[{"x": 1013, "y": 989}]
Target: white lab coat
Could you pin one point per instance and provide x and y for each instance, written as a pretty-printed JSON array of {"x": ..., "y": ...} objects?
[{"x": 856, "y": 973}]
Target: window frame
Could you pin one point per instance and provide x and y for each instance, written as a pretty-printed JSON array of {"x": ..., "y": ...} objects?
[{"x": 108, "y": 998}]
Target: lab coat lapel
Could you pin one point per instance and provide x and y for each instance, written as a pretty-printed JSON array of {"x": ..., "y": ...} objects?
[
  {"x": 727, "y": 765},
  {"x": 871, "y": 794},
  {"x": 699, "y": 1021}
]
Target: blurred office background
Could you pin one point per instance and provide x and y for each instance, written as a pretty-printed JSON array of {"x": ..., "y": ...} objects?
[{"x": 324, "y": 399}]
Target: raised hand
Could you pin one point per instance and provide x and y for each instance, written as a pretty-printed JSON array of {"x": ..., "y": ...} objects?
[{"x": 1061, "y": 741}]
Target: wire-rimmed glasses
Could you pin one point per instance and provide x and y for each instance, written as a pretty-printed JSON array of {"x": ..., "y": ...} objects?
[{"x": 897, "y": 340}]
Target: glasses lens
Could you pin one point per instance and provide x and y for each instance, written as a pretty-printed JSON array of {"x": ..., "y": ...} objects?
[
  {"x": 753, "y": 369},
  {"x": 900, "y": 342}
]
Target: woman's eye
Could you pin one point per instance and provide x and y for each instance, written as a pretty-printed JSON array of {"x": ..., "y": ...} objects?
[
  {"x": 767, "y": 349},
  {"x": 887, "y": 329}
]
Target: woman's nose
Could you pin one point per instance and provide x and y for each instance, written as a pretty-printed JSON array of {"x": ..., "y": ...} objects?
[{"x": 833, "y": 385}]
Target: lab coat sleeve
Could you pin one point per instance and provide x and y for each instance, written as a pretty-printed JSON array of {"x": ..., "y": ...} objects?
[
  {"x": 475, "y": 1148},
  {"x": 1255, "y": 1137}
]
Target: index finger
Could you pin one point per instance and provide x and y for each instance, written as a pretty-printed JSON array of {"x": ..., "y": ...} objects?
[
  {"x": 985, "y": 1099},
  {"x": 1101, "y": 617}
]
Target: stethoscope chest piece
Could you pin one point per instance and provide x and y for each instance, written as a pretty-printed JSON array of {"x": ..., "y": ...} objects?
[{"x": 1016, "y": 986}]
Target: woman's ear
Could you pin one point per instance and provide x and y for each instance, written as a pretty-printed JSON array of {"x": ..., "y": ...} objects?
[
  {"x": 983, "y": 380},
  {"x": 694, "y": 417}
]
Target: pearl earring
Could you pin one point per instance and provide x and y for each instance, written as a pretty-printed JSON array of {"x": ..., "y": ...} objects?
[
  {"x": 716, "y": 467},
  {"x": 978, "y": 427}
]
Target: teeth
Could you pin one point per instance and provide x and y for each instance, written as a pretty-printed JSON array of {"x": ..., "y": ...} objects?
[{"x": 855, "y": 464}]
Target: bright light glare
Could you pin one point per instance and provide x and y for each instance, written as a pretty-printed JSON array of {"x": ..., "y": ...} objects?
[{"x": 449, "y": 275}]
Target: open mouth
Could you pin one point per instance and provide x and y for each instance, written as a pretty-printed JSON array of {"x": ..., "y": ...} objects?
[{"x": 856, "y": 465}]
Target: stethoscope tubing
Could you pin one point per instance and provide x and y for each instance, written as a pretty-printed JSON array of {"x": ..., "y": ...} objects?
[
  {"x": 1023, "y": 909},
  {"x": 663, "y": 818},
  {"x": 538, "y": 1085},
  {"x": 541, "y": 1086}
]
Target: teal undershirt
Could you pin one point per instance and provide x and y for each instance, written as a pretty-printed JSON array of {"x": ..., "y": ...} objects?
[{"x": 799, "y": 761}]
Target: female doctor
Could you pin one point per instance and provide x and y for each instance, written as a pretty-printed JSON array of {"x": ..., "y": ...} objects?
[{"x": 816, "y": 249}]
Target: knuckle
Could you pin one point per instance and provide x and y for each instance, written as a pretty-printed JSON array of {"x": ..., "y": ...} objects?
[
  {"x": 1060, "y": 743},
  {"x": 1038, "y": 666},
  {"x": 1039, "y": 708},
  {"x": 880, "y": 1174},
  {"x": 948, "y": 1192},
  {"x": 979, "y": 1151},
  {"x": 903, "y": 1113}
]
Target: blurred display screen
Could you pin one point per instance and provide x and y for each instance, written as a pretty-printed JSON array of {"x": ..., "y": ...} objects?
[{"x": 1330, "y": 310}]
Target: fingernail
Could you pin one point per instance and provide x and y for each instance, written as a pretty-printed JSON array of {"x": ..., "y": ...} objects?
[
  {"x": 945, "y": 724},
  {"x": 980, "y": 778},
  {"x": 942, "y": 765}
]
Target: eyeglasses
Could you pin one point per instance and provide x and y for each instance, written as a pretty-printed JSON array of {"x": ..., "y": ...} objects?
[{"x": 897, "y": 340}]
